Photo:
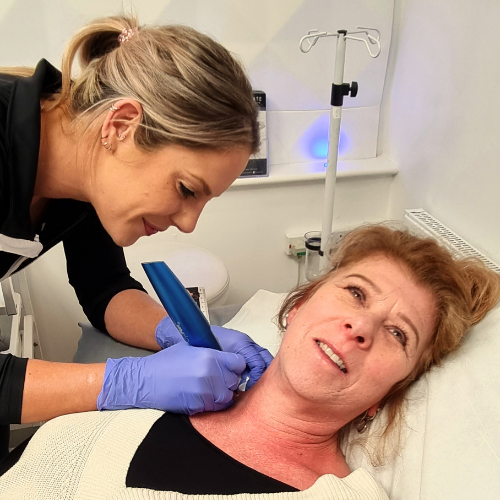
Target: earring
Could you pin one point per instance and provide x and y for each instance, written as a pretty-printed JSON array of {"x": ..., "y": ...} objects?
[
  {"x": 365, "y": 421},
  {"x": 286, "y": 320},
  {"x": 106, "y": 144},
  {"x": 121, "y": 137},
  {"x": 113, "y": 108}
]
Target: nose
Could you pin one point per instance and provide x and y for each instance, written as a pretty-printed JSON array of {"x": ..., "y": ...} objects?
[
  {"x": 361, "y": 329},
  {"x": 186, "y": 220}
]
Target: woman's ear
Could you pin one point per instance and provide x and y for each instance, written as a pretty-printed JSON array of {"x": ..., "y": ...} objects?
[
  {"x": 373, "y": 409},
  {"x": 121, "y": 121},
  {"x": 293, "y": 311}
]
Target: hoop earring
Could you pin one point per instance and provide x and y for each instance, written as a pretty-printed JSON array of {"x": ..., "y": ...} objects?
[
  {"x": 121, "y": 137},
  {"x": 365, "y": 421},
  {"x": 105, "y": 145},
  {"x": 113, "y": 108}
]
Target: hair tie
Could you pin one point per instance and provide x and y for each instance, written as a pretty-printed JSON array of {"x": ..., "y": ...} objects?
[{"x": 126, "y": 35}]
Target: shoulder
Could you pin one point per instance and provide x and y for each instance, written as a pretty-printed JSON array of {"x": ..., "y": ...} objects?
[
  {"x": 82, "y": 432},
  {"x": 93, "y": 448}
]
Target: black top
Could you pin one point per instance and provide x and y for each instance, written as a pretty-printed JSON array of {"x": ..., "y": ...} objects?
[
  {"x": 174, "y": 456},
  {"x": 96, "y": 265}
]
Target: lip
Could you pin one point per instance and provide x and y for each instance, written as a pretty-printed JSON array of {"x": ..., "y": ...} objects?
[
  {"x": 149, "y": 228},
  {"x": 335, "y": 352}
]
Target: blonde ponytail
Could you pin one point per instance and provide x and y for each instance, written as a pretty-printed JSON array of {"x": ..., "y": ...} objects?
[
  {"x": 23, "y": 71},
  {"x": 191, "y": 89}
]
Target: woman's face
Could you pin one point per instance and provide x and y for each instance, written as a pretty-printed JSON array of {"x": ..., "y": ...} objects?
[
  {"x": 136, "y": 193},
  {"x": 359, "y": 334}
]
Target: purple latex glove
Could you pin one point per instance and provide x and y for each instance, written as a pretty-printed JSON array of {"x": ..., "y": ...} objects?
[
  {"x": 181, "y": 379},
  {"x": 257, "y": 358}
]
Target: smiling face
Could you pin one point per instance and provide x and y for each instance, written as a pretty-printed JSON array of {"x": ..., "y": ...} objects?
[
  {"x": 358, "y": 335},
  {"x": 136, "y": 193}
]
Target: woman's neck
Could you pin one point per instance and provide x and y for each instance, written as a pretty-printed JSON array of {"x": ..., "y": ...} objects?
[
  {"x": 63, "y": 160},
  {"x": 277, "y": 434}
]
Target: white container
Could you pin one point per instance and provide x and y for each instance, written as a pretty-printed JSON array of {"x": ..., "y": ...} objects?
[
  {"x": 194, "y": 266},
  {"x": 313, "y": 244}
]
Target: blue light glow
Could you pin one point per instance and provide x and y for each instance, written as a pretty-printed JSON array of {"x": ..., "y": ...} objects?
[
  {"x": 314, "y": 142},
  {"x": 319, "y": 148}
]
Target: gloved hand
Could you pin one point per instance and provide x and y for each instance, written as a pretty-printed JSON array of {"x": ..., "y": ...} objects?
[
  {"x": 181, "y": 379},
  {"x": 257, "y": 358}
]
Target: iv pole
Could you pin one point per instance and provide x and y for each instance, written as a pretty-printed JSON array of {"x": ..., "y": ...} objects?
[{"x": 339, "y": 90}]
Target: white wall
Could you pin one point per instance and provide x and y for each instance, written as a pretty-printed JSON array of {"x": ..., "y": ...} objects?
[
  {"x": 247, "y": 225},
  {"x": 441, "y": 120}
]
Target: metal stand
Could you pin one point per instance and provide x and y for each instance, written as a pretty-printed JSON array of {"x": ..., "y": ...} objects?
[{"x": 339, "y": 91}]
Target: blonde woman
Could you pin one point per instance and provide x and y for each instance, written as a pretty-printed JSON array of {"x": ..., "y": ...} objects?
[
  {"x": 157, "y": 122},
  {"x": 391, "y": 307}
]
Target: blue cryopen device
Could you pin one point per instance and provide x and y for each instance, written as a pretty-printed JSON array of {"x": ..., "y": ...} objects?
[{"x": 181, "y": 307}]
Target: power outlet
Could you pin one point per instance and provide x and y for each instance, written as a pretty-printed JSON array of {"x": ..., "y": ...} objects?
[
  {"x": 295, "y": 245},
  {"x": 334, "y": 240},
  {"x": 336, "y": 236}
]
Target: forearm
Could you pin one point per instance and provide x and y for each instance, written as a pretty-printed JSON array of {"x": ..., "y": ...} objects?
[
  {"x": 132, "y": 316},
  {"x": 53, "y": 389}
]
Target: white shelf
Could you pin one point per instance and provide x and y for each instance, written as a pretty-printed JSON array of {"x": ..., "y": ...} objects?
[{"x": 380, "y": 166}]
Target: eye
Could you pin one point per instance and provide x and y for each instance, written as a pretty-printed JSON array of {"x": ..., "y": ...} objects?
[
  {"x": 186, "y": 193},
  {"x": 399, "y": 334},
  {"x": 357, "y": 293}
]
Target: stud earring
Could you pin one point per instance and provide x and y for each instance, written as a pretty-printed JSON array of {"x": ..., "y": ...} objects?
[
  {"x": 106, "y": 144},
  {"x": 286, "y": 321}
]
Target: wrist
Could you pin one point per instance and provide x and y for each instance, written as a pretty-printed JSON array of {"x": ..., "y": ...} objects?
[
  {"x": 166, "y": 333},
  {"x": 119, "y": 375}
]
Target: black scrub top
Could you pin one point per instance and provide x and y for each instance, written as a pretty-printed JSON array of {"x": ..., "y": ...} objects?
[{"x": 96, "y": 265}]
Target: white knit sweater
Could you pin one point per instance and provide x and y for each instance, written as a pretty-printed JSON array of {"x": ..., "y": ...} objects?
[{"x": 87, "y": 456}]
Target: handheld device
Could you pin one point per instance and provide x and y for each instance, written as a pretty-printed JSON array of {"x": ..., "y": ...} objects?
[{"x": 181, "y": 307}]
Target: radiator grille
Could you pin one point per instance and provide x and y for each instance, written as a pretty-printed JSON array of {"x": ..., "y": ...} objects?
[{"x": 430, "y": 226}]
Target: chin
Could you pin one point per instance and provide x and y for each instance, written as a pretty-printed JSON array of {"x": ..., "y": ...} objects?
[{"x": 124, "y": 240}]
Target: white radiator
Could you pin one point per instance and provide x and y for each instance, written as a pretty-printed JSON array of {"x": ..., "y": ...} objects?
[{"x": 428, "y": 225}]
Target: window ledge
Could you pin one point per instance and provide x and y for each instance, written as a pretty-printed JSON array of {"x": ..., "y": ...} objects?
[{"x": 285, "y": 173}]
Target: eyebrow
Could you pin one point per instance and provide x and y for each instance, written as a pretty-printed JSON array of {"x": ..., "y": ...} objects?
[
  {"x": 405, "y": 318},
  {"x": 369, "y": 281},
  {"x": 411, "y": 325},
  {"x": 204, "y": 185}
]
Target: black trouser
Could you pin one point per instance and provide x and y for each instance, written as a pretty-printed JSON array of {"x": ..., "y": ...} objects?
[{"x": 4, "y": 441}]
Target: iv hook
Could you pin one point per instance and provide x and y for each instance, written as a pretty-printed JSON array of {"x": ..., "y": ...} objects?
[
  {"x": 311, "y": 38},
  {"x": 375, "y": 40},
  {"x": 313, "y": 35}
]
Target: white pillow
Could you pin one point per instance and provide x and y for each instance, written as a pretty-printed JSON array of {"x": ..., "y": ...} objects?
[{"x": 257, "y": 318}]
